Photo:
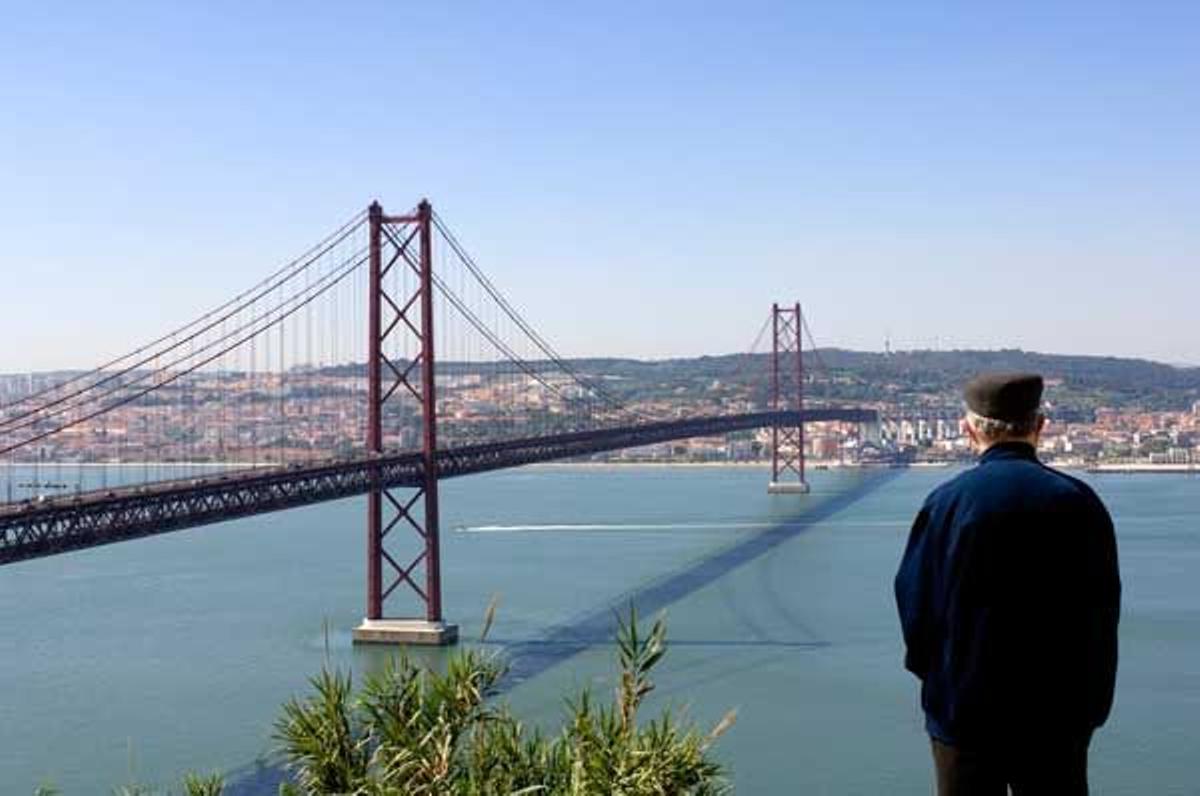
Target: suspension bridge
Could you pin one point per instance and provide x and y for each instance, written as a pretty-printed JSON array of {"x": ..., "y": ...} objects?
[{"x": 377, "y": 363}]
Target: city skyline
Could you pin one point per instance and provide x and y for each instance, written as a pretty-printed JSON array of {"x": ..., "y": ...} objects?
[{"x": 937, "y": 179}]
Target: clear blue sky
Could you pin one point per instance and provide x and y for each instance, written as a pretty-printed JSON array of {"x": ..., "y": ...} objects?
[{"x": 641, "y": 179}]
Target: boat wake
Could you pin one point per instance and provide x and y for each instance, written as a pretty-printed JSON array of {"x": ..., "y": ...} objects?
[{"x": 666, "y": 526}]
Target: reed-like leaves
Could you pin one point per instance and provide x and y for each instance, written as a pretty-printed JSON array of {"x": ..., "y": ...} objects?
[{"x": 419, "y": 732}]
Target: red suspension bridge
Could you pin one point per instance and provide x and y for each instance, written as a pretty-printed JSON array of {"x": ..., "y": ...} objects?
[{"x": 264, "y": 403}]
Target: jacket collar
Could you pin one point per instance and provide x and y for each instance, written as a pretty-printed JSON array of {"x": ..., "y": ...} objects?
[{"x": 1009, "y": 450}]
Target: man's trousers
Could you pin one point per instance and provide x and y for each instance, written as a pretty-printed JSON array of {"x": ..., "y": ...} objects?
[{"x": 1033, "y": 769}]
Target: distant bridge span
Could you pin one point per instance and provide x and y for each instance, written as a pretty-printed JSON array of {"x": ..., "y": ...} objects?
[
  {"x": 37, "y": 529},
  {"x": 277, "y": 368}
]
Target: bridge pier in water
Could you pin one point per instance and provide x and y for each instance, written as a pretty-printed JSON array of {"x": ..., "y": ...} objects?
[
  {"x": 787, "y": 386},
  {"x": 418, "y": 512}
]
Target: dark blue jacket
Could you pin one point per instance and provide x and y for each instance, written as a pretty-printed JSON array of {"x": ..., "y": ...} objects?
[{"x": 1009, "y": 596}]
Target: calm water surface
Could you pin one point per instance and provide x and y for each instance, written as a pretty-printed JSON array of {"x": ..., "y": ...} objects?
[{"x": 149, "y": 658}]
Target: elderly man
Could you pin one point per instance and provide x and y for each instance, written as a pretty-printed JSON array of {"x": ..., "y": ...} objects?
[{"x": 1009, "y": 596}]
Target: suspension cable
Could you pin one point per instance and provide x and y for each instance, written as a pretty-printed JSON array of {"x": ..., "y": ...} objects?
[
  {"x": 516, "y": 317},
  {"x": 261, "y": 289},
  {"x": 171, "y": 378}
]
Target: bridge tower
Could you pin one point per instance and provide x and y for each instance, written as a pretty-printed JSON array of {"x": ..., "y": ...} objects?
[
  {"x": 401, "y": 247},
  {"x": 787, "y": 393}
]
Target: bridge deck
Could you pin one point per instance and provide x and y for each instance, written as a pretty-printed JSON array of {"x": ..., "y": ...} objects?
[{"x": 35, "y": 529}]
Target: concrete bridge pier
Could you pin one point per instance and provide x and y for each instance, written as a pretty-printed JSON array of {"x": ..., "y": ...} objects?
[{"x": 415, "y": 632}]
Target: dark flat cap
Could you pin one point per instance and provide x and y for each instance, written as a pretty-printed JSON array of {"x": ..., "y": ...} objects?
[{"x": 1014, "y": 397}]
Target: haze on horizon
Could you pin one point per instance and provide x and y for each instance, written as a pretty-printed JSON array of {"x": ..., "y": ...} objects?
[{"x": 641, "y": 182}]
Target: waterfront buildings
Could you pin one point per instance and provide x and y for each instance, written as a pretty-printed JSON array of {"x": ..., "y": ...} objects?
[{"x": 304, "y": 414}]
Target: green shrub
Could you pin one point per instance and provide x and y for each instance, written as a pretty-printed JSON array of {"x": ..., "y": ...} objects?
[
  {"x": 415, "y": 731},
  {"x": 199, "y": 785}
]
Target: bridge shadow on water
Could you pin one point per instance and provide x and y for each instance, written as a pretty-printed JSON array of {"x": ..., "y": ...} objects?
[
  {"x": 532, "y": 657},
  {"x": 596, "y": 627}
]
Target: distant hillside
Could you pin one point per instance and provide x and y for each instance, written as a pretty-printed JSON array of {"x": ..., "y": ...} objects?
[
  {"x": 1109, "y": 373},
  {"x": 1086, "y": 381},
  {"x": 1078, "y": 383}
]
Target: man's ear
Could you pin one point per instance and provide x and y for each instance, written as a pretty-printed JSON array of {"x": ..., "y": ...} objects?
[
  {"x": 969, "y": 430},
  {"x": 1041, "y": 423}
]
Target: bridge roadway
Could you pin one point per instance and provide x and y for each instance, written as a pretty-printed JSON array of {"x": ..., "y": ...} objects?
[{"x": 33, "y": 529}]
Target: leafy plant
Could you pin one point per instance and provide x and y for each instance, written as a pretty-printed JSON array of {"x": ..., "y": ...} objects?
[
  {"x": 199, "y": 785},
  {"x": 416, "y": 731},
  {"x": 193, "y": 785},
  {"x": 133, "y": 789}
]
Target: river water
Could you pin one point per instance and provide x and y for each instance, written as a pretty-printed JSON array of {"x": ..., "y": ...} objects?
[{"x": 142, "y": 660}]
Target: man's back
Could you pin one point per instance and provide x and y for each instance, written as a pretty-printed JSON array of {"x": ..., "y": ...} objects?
[{"x": 1008, "y": 595}]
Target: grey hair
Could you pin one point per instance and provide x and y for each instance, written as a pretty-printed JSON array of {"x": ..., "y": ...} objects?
[{"x": 991, "y": 428}]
